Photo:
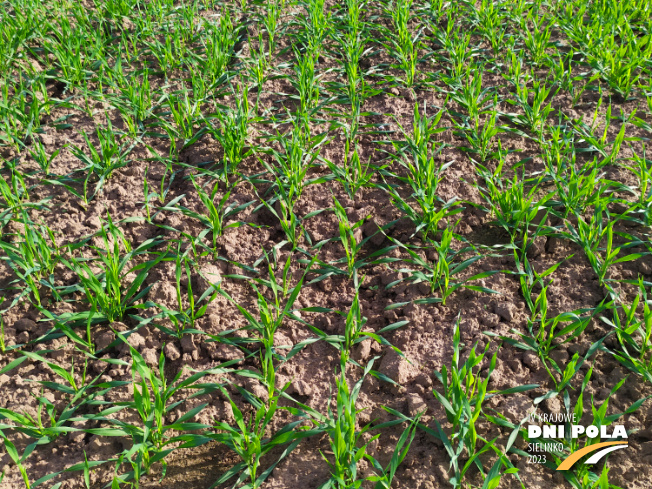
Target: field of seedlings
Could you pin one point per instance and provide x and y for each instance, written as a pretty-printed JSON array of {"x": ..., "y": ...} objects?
[{"x": 324, "y": 243}]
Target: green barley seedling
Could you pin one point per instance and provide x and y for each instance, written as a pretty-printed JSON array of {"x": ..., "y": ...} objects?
[
  {"x": 298, "y": 155},
  {"x": 352, "y": 40},
  {"x": 417, "y": 154},
  {"x": 470, "y": 95},
  {"x": 511, "y": 203},
  {"x": 17, "y": 191},
  {"x": 618, "y": 62},
  {"x": 346, "y": 440},
  {"x": 16, "y": 458},
  {"x": 215, "y": 221},
  {"x": 184, "y": 117},
  {"x": 135, "y": 96},
  {"x": 401, "y": 43},
  {"x": 561, "y": 72},
  {"x": 12, "y": 201},
  {"x": 463, "y": 396},
  {"x": 219, "y": 47},
  {"x": 48, "y": 424},
  {"x": 458, "y": 53},
  {"x": 106, "y": 291},
  {"x": 578, "y": 187},
  {"x": 347, "y": 236},
  {"x": 20, "y": 115},
  {"x": 529, "y": 278},
  {"x": 607, "y": 150},
  {"x": 282, "y": 208},
  {"x": 34, "y": 257},
  {"x": 271, "y": 315},
  {"x": 492, "y": 24},
  {"x": 72, "y": 53},
  {"x": 589, "y": 235},
  {"x": 232, "y": 133},
  {"x": 537, "y": 36},
  {"x": 517, "y": 74},
  {"x": 41, "y": 157},
  {"x": 306, "y": 83},
  {"x": 643, "y": 172},
  {"x": 537, "y": 111},
  {"x": 343, "y": 436},
  {"x": 441, "y": 271},
  {"x": 354, "y": 325},
  {"x": 153, "y": 401},
  {"x": 187, "y": 22},
  {"x": 73, "y": 384},
  {"x": 481, "y": 139},
  {"x": 319, "y": 25},
  {"x": 199, "y": 84},
  {"x": 384, "y": 477},
  {"x": 189, "y": 312},
  {"x": 258, "y": 65},
  {"x": 270, "y": 21},
  {"x": 3, "y": 344},
  {"x": 103, "y": 160},
  {"x": 545, "y": 334},
  {"x": 354, "y": 174},
  {"x": 249, "y": 441},
  {"x": 61, "y": 325},
  {"x": 353, "y": 330},
  {"x": 634, "y": 334},
  {"x": 170, "y": 53}
]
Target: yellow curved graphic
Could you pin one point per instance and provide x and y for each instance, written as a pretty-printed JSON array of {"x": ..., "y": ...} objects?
[{"x": 574, "y": 457}]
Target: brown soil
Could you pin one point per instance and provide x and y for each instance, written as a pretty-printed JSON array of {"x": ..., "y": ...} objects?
[{"x": 425, "y": 341}]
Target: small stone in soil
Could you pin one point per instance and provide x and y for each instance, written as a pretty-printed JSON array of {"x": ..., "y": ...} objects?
[
  {"x": 416, "y": 404},
  {"x": 505, "y": 310},
  {"x": 172, "y": 352},
  {"x": 25, "y": 325}
]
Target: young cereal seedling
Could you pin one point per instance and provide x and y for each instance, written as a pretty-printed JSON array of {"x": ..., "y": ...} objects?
[
  {"x": 347, "y": 237},
  {"x": 354, "y": 174},
  {"x": 105, "y": 290},
  {"x": 401, "y": 43},
  {"x": 271, "y": 315},
  {"x": 42, "y": 158},
  {"x": 249, "y": 441},
  {"x": 439, "y": 271},
  {"x": 306, "y": 83},
  {"x": 348, "y": 443},
  {"x": 102, "y": 161},
  {"x": 154, "y": 438},
  {"x": 232, "y": 134},
  {"x": 643, "y": 172},
  {"x": 634, "y": 334},
  {"x": 537, "y": 111},
  {"x": 215, "y": 221},
  {"x": 463, "y": 396},
  {"x": 589, "y": 235},
  {"x": 187, "y": 313},
  {"x": 354, "y": 332},
  {"x": 417, "y": 154},
  {"x": 513, "y": 203},
  {"x": 258, "y": 65},
  {"x": 34, "y": 257},
  {"x": 184, "y": 115},
  {"x": 270, "y": 21}
]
